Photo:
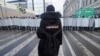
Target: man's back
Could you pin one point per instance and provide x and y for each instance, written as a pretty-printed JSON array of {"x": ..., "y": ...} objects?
[{"x": 49, "y": 25}]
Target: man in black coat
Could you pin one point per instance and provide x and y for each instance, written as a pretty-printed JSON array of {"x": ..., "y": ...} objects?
[{"x": 49, "y": 32}]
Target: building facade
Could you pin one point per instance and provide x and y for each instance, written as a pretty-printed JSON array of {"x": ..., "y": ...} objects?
[
  {"x": 10, "y": 10},
  {"x": 70, "y": 6},
  {"x": 36, "y": 5},
  {"x": 17, "y": 2}
]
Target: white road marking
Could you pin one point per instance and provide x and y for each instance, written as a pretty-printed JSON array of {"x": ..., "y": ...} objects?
[
  {"x": 85, "y": 50},
  {"x": 92, "y": 35},
  {"x": 10, "y": 37},
  {"x": 34, "y": 51},
  {"x": 11, "y": 42},
  {"x": 94, "y": 32},
  {"x": 89, "y": 40},
  {"x": 61, "y": 51},
  {"x": 70, "y": 47},
  {"x": 19, "y": 47}
]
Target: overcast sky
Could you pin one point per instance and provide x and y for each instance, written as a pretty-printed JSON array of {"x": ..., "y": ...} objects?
[{"x": 59, "y": 5}]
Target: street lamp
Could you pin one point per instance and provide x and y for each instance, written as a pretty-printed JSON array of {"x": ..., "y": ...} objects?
[
  {"x": 33, "y": 4},
  {"x": 1, "y": 10},
  {"x": 5, "y": 8},
  {"x": 44, "y": 5}
]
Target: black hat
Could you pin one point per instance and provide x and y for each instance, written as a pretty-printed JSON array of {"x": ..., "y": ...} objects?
[{"x": 50, "y": 8}]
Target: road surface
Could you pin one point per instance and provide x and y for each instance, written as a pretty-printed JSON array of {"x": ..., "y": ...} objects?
[{"x": 25, "y": 43}]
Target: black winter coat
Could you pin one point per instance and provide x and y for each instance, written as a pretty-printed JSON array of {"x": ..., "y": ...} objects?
[{"x": 50, "y": 24}]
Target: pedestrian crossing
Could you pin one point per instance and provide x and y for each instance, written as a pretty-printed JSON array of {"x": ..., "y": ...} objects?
[
  {"x": 85, "y": 50},
  {"x": 10, "y": 37},
  {"x": 6, "y": 34},
  {"x": 17, "y": 49},
  {"x": 75, "y": 43},
  {"x": 34, "y": 52},
  {"x": 89, "y": 40},
  {"x": 9, "y": 43},
  {"x": 93, "y": 35},
  {"x": 69, "y": 46}
]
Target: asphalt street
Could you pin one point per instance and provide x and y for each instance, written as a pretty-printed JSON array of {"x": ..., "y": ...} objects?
[{"x": 25, "y": 43}]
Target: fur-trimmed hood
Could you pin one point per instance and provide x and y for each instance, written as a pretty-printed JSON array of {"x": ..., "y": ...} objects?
[{"x": 50, "y": 15}]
